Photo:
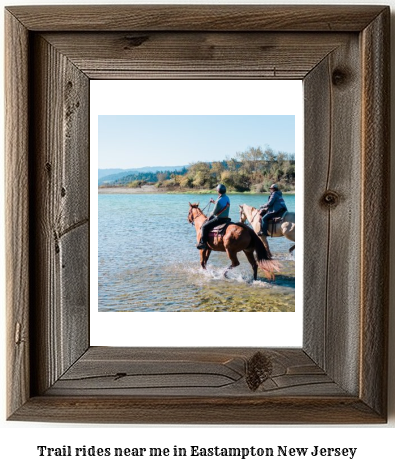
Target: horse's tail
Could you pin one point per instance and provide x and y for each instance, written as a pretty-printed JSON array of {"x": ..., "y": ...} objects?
[{"x": 264, "y": 260}]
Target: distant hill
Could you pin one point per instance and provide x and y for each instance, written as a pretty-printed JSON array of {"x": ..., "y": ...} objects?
[
  {"x": 103, "y": 173},
  {"x": 107, "y": 176}
]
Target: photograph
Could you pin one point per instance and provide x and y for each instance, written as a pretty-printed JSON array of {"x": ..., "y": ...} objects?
[{"x": 196, "y": 213}]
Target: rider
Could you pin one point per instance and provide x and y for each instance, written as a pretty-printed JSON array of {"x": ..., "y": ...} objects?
[
  {"x": 219, "y": 215},
  {"x": 275, "y": 207}
]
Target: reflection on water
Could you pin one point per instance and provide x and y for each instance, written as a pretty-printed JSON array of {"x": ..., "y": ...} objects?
[{"x": 148, "y": 260}]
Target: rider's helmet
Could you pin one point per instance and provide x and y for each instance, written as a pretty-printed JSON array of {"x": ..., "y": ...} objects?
[
  {"x": 274, "y": 187},
  {"x": 221, "y": 188}
]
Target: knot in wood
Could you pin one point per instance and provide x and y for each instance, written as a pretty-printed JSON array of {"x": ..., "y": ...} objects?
[
  {"x": 120, "y": 375},
  {"x": 135, "y": 41},
  {"x": 259, "y": 369},
  {"x": 339, "y": 77},
  {"x": 330, "y": 199}
]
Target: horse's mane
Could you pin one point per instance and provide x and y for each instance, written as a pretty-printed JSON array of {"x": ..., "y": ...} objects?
[{"x": 251, "y": 209}]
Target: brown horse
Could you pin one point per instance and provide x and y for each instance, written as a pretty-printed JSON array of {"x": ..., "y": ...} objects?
[
  {"x": 284, "y": 228},
  {"x": 237, "y": 237}
]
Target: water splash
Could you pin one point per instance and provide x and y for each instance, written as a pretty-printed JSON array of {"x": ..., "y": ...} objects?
[{"x": 214, "y": 274}]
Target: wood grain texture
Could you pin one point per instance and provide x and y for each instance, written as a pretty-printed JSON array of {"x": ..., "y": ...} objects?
[
  {"x": 198, "y": 410},
  {"x": 376, "y": 200},
  {"x": 17, "y": 213},
  {"x": 317, "y": 113},
  {"x": 332, "y": 153},
  {"x": 196, "y": 17},
  {"x": 339, "y": 376},
  {"x": 60, "y": 201},
  {"x": 192, "y": 55},
  {"x": 191, "y": 372}
]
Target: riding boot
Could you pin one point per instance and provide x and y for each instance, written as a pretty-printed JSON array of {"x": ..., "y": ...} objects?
[
  {"x": 202, "y": 245},
  {"x": 263, "y": 230}
]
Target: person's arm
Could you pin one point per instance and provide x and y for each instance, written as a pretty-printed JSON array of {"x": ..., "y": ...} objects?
[
  {"x": 215, "y": 209},
  {"x": 262, "y": 209},
  {"x": 272, "y": 200}
]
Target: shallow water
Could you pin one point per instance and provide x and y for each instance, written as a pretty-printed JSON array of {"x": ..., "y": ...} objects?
[{"x": 148, "y": 260}]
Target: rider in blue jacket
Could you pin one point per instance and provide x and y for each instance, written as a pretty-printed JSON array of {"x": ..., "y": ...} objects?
[
  {"x": 219, "y": 215},
  {"x": 275, "y": 207}
]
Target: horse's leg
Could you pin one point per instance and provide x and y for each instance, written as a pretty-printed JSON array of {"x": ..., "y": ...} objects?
[
  {"x": 232, "y": 255},
  {"x": 206, "y": 256},
  {"x": 203, "y": 259},
  {"x": 253, "y": 263}
]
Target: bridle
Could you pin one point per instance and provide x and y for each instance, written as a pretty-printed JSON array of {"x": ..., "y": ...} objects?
[
  {"x": 201, "y": 212},
  {"x": 192, "y": 221}
]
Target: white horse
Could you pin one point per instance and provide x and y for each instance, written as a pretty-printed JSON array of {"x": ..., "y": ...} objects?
[{"x": 284, "y": 228}]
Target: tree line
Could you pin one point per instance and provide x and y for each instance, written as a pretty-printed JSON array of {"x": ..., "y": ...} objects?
[{"x": 252, "y": 170}]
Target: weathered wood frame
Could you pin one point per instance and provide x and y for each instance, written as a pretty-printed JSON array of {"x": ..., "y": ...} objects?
[{"x": 340, "y": 374}]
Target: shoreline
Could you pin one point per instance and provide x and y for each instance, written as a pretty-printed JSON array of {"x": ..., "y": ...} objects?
[
  {"x": 149, "y": 189},
  {"x": 125, "y": 190}
]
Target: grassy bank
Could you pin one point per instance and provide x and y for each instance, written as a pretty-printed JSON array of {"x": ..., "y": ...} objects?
[{"x": 151, "y": 189}]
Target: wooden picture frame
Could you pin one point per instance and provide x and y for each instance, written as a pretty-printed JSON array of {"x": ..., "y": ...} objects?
[{"x": 340, "y": 374}]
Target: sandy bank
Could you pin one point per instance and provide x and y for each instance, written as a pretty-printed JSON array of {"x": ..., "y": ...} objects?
[{"x": 146, "y": 189}]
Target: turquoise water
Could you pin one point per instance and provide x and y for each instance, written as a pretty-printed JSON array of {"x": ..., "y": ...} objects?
[{"x": 148, "y": 260}]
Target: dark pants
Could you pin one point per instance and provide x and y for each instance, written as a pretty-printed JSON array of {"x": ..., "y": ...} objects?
[
  {"x": 267, "y": 217},
  {"x": 209, "y": 225}
]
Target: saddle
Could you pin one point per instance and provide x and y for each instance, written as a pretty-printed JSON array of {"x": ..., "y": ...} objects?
[
  {"x": 219, "y": 230},
  {"x": 276, "y": 220},
  {"x": 271, "y": 226}
]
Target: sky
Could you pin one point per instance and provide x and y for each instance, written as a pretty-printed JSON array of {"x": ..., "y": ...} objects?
[{"x": 158, "y": 140}]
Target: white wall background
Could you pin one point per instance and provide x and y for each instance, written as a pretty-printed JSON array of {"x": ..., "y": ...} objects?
[
  {"x": 205, "y": 97},
  {"x": 18, "y": 441}
]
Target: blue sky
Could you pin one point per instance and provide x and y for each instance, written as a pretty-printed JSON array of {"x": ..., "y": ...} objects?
[{"x": 138, "y": 141}]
